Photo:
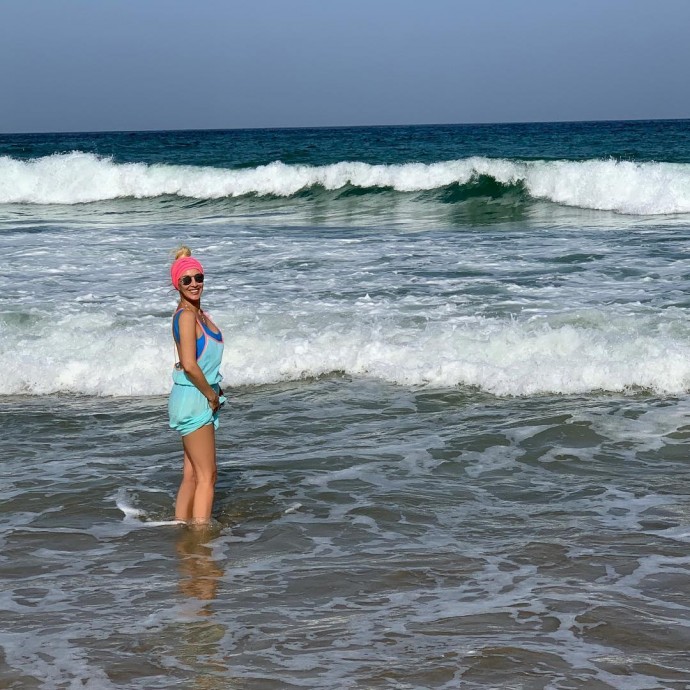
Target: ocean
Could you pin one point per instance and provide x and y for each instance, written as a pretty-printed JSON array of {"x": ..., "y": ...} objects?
[{"x": 454, "y": 451}]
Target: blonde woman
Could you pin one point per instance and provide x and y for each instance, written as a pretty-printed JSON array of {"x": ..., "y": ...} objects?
[{"x": 196, "y": 395}]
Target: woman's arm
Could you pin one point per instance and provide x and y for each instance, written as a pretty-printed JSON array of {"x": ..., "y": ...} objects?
[{"x": 187, "y": 351}]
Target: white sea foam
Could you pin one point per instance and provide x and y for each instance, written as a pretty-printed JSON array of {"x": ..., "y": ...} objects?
[
  {"x": 123, "y": 502},
  {"x": 72, "y": 178},
  {"x": 504, "y": 357}
]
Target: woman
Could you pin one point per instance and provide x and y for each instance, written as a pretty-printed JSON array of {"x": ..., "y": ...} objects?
[{"x": 196, "y": 396}]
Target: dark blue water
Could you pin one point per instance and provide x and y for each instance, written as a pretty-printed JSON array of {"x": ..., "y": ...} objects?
[{"x": 658, "y": 140}]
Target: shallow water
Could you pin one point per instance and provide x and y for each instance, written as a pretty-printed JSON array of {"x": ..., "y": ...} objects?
[
  {"x": 367, "y": 535},
  {"x": 455, "y": 452}
]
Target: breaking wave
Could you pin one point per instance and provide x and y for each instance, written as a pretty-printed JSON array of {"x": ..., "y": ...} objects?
[
  {"x": 91, "y": 355},
  {"x": 642, "y": 188}
]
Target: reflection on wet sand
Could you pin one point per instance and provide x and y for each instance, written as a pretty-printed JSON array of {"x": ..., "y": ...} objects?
[
  {"x": 199, "y": 647},
  {"x": 199, "y": 572}
]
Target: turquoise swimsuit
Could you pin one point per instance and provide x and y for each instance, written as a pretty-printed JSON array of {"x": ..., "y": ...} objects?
[{"x": 188, "y": 408}]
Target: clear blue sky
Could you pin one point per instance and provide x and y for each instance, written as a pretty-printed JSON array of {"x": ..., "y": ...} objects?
[{"x": 81, "y": 65}]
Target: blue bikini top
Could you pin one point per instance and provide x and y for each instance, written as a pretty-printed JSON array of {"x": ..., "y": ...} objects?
[{"x": 201, "y": 340}]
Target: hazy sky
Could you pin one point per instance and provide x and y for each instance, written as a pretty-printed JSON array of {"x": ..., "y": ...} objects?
[{"x": 81, "y": 65}]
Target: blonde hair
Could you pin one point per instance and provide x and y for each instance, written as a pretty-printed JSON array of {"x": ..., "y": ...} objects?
[{"x": 182, "y": 251}]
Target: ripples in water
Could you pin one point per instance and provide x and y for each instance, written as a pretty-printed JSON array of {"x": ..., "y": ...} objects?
[{"x": 366, "y": 536}]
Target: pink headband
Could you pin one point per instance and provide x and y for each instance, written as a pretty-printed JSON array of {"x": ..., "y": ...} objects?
[{"x": 179, "y": 266}]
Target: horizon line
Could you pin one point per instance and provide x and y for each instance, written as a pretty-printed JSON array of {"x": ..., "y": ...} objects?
[{"x": 370, "y": 126}]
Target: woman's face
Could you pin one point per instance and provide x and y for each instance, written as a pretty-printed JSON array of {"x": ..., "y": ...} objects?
[{"x": 192, "y": 291}]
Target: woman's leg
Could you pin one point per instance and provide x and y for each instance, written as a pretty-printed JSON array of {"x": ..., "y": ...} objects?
[
  {"x": 185, "y": 494},
  {"x": 200, "y": 448}
]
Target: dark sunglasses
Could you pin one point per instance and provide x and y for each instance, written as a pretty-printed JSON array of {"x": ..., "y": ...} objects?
[{"x": 187, "y": 280}]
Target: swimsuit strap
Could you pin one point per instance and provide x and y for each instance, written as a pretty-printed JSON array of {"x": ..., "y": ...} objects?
[
  {"x": 200, "y": 340},
  {"x": 176, "y": 325},
  {"x": 176, "y": 354}
]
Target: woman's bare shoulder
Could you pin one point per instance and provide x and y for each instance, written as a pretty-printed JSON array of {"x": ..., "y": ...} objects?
[{"x": 186, "y": 318}]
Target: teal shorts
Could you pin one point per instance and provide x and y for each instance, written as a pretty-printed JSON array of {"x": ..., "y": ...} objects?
[{"x": 189, "y": 410}]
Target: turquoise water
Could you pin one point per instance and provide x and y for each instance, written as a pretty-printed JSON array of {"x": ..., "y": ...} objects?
[{"x": 454, "y": 453}]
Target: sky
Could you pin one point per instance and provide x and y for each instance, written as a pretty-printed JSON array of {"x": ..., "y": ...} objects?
[{"x": 94, "y": 65}]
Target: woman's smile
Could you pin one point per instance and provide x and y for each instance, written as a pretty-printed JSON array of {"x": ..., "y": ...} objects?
[{"x": 191, "y": 284}]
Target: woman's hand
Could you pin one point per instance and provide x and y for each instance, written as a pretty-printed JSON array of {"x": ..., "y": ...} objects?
[{"x": 214, "y": 402}]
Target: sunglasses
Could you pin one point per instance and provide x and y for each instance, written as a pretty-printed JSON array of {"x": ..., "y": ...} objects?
[{"x": 187, "y": 280}]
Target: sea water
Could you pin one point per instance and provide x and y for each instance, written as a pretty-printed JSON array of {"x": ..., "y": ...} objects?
[{"x": 454, "y": 452}]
